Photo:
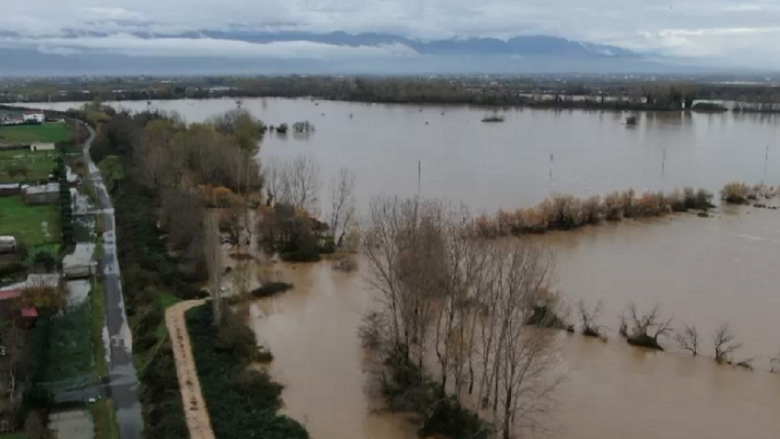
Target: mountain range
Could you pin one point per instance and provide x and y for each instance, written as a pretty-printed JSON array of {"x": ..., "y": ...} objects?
[{"x": 241, "y": 51}]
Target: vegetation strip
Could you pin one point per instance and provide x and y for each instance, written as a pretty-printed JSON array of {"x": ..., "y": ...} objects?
[
  {"x": 197, "y": 415},
  {"x": 242, "y": 402}
]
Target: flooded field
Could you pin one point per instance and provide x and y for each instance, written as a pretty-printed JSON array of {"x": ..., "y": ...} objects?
[
  {"x": 700, "y": 271},
  {"x": 511, "y": 164}
]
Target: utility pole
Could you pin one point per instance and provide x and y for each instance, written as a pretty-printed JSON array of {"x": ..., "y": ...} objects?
[{"x": 419, "y": 176}]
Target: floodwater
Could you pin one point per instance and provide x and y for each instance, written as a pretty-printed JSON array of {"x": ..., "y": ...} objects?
[
  {"x": 701, "y": 271},
  {"x": 611, "y": 390},
  {"x": 511, "y": 164}
]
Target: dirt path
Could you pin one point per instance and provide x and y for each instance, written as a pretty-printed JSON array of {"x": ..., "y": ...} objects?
[{"x": 195, "y": 410}]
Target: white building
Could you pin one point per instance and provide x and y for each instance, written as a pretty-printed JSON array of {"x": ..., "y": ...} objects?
[
  {"x": 7, "y": 244},
  {"x": 42, "y": 146},
  {"x": 34, "y": 116}
]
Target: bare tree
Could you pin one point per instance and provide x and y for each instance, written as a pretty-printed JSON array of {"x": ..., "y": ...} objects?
[
  {"x": 688, "y": 339},
  {"x": 774, "y": 362},
  {"x": 301, "y": 183},
  {"x": 526, "y": 356},
  {"x": 342, "y": 205},
  {"x": 588, "y": 318},
  {"x": 213, "y": 252},
  {"x": 293, "y": 181},
  {"x": 272, "y": 172},
  {"x": 724, "y": 343},
  {"x": 476, "y": 297},
  {"x": 647, "y": 328}
]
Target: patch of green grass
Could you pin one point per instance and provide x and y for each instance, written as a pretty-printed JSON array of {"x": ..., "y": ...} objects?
[
  {"x": 24, "y": 222},
  {"x": 23, "y": 134},
  {"x": 104, "y": 417},
  {"x": 142, "y": 359},
  {"x": 71, "y": 344},
  {"x": 98, "y": 317},
  {"x": 39, "y": 164},
  {"x": 17, "y": 435}
]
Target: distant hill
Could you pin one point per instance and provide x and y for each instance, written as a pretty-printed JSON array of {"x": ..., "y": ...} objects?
[{"x": 343, "y": 53}]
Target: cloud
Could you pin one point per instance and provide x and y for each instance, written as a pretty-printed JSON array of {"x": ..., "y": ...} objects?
[
  {"x": 690, "y": 28},
  {"x": 131, "y": 45}
]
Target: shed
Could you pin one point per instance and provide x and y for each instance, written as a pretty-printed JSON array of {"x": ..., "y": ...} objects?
[
  {"x": 44, "y": 194},
  {"x": 7, "y": 244},
  {"x": 42, "y": 146},
  {"x": 10, "y": 190}
]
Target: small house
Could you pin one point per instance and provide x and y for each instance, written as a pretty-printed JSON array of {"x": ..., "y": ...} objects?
[
  {"x": 33, "y": 117},
  {"x": 10, "y": 190},
  {"x": 7, "y": 244},
  {"x": 42, "y": 146},
  {"x": 43, "y": 194}
]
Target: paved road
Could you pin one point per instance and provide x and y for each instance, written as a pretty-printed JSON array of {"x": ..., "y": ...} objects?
[{"x": 123, "y": 378}]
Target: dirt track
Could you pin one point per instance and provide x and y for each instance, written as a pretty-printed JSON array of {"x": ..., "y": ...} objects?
[{"x": 197, "y": 415}]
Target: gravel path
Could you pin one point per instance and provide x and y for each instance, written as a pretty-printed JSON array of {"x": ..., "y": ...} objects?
[{"x": 195, "y": 410}]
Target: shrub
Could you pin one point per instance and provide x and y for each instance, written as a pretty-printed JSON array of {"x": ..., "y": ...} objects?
[
  {"x": 449, "y": 419},
  {"x": 592, "y": 210},
  {"x": 144, "y": 343},
  {"x": 150, "y": 320},
  {"x": 234, "y": 338},
  {"x": 734, "y": 193},
  {"x": 271, "y": 288},
  {"x": 613, "y": 204},
  {"x": 242, "y": 403}
]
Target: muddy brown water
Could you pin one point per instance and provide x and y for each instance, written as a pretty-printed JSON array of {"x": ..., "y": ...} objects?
[
  {"x": 510, "y": 164},
  {"x": 701, "y": 271}
]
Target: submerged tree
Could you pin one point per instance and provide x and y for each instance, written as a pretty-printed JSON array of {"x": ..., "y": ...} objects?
[
  {"x": 647, "y": 328},
  {"x": 723, "y": 339},
  {"x": 342, "y": 205},
  {"x": 688, "y": 339},
  {"x": 588, "y": 318},
  {"x": 476, "y": 297}
]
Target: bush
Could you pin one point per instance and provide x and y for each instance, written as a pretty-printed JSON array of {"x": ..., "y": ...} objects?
[
  {"x": 161, "y": 398},
  {"x": 150, "y": 320},
  {"x": 734, "y": 193},
  {"x": 234, "y": 338},
  {"x": 146, "y": 342},
  {"x": 449, "y": 419},
  {"x": 242, "y": 403},
  {"x": 271, "y": 288}
]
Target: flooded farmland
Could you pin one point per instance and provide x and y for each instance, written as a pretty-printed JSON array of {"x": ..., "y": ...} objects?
[{"x": 700, "y": 271}]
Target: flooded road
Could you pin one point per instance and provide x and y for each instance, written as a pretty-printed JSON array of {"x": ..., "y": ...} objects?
[{"x": 701, "y": 271}]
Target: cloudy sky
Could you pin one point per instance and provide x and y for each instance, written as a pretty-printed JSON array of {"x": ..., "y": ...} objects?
[{"x": 744, "y": 32}]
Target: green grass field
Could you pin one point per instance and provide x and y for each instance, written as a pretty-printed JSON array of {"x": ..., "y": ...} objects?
[
  {"x": 71, "y": 343},
  {"x": 39, "y": 165},
  {"x": 23, "y": 134},
  {"x": 26, "y": 223},
  {"x": 19, "y": 435}
]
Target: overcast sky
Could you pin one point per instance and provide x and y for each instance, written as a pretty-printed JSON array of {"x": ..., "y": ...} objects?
[{"x": 742, "y": 31}]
